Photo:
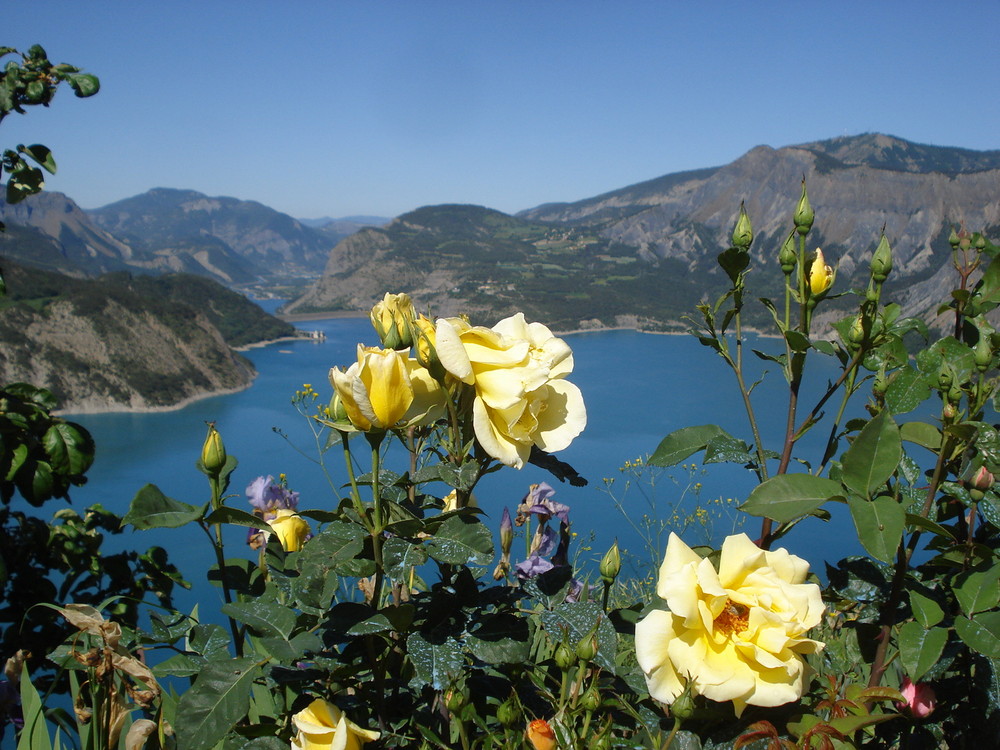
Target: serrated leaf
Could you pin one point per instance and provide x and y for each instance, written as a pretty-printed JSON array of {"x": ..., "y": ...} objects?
[
  {"x": 873, "y": 456},
  {"x": 977, "y": 590},
  {"x": 462, "y": 540},
  {"x": 267, "y": 618},
  {"x": 907, "y": 390},
  {"x": 218, "y": 699},
  {"x": 437, "y": 664},
  {"x": 681, "y": 443},
  {"x": 786, "y": 497},
  {"x": 981, "y": 633},
  {"x": 880, "y": 524},
  {"x": 920, "y": 648},
  {"x": 151, "y": 509}
]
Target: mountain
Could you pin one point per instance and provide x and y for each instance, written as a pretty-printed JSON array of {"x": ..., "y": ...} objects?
[
  {"x": 462, "y": 258},
  {"x": 233, "y": 240},
  {"x": 674, "y": 226},
  {"x": 122, "y": 342}
]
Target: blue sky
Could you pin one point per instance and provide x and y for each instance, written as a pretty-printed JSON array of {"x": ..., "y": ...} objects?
[{"x": 340, "y": 108}]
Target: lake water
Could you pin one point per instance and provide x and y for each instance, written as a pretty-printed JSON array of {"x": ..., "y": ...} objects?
[{"x": 637, "y": 387}]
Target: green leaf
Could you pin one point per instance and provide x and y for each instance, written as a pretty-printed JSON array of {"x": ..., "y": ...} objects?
[
  {"x": 786, "y": 497},
  {"x": 35, "y": 734},
  {"x": 797, "y": 341},
  {"x": 218, "y": 699},
  {"x": 981, "y": 633},
  {"x": 681, "y": 443},
  {"x": 462, "y": 540},
  {"x": 437, "y": 664},
  {"x": 338, "y": 547},
  {"x": 237, "y": 517},
  {"x": 577, "y": 620},
  {"x": 932, "y": 526},
  {"x": 267, "y": 618},
  {"x": 922, "y": 434},
  {"x": 500, "y": 639},
  {"x": 151, "y": 509},
  {"x": 907, "y": 390},
  {"x": 880, "y": 525},
  {"x": 399, "y": 555},
  {"x": 84, "y": 84},
  {"x": 727, "y": 449},
  {"x": 69, "y": 447},
  {"x": 873, "y": 456},
  {"x": 41, "y": 155},
  {"x": 925, "y": 605},
  {"x": 461, "y": 478},
  {"x": 977, "y": 590},
  {"x": 919, "y": 648}
]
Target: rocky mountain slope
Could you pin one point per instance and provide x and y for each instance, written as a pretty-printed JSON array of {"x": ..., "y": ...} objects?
[
  {"x": 124, "y": 343},
  {"x": 681, "y": 221}
]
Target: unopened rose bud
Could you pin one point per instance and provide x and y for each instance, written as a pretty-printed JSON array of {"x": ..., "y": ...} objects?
[
  {"x": 213, "y": 452},
  {"x": 804, "y": 215},
  {"x": 982, "y": 480},
  {"x": 392, "y": 318},
  {"x": 563, "y": 656},
  {"x": 586, "y": 649},
  {"x": 919, "y": 698},
  {"x": 508, "y": 712},
  {"x": 820, "y": 276},
  {"x": 743, "y": 231},
  {"x": 787, "y": 257},
  {"x": 980, "y": 243},
  {"x": 856, "y": 335},
  {"x": 425, "y": 347},
  {"x": 454, "y": 700},
  {"x": 540, "y": 735},
  {"x": 611, "y": 564},
  {"x": 683, "y": 705},
  {"x": 591, "y": 700},
  {"x": 953, "y": 239},
  {"x": 881, "y": 261},
  {"x": 945, "y": 377},
  {"x": 983, "y": 352}
]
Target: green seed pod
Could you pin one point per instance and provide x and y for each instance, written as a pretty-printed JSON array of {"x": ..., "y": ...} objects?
[
  {"x": 804, "y": 215},
  {"x": 881, "y": 261},
  {"x": 743, "y": 231}
]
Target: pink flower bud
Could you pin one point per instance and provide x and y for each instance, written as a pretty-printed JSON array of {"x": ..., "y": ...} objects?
[{"x": 920, "y": 699}]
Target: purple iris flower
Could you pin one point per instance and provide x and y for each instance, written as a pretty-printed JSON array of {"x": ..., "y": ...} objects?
[
  {"x": 267, "y": 497},
  {"x": 539, "y": 501},
  {"x": 532, "y": 567}
]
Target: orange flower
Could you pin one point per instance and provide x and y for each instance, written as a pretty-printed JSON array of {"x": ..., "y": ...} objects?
[{"x": 540, "y": 735}]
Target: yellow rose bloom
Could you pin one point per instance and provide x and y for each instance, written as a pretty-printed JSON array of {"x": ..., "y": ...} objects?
[
  {"x": 323, "y": 726},
  {"x": 375, "y": 391},
  {"x": 290, "y": 528},
  {"x": 820, "y": 275},
  {"x": 736, "y": 634},
  {"x": 517, "y": 370}
]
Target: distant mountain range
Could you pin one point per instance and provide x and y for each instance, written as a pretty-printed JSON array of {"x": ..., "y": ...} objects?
[
  {"x": 644, "y": 252},
  {"x": 235, "y": 242},
  {"x": 639, "y": 255}
]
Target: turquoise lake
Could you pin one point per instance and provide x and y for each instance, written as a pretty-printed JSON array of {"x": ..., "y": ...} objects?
[{"x": 638, "y": 387}]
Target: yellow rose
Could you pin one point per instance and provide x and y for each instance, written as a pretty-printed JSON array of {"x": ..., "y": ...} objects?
[
  {"x": 290, "y": 528},
  {"x": 375, "y": 391},
  {"x": 736, "y": 634},
  {"x": 820, "y": 275},
  {"x": 323, "y": 726},
  {"x": 517, "y": 370},
  {"x": 392, "y": 318}
]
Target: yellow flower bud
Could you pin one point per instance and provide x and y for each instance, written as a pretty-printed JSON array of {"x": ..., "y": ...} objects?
[
  {"x": 291, "y": 529},
  {"x": 213, "y": 452},
  {"x": 392, "y": 318},
  {"x": 820, "y": 275}
]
